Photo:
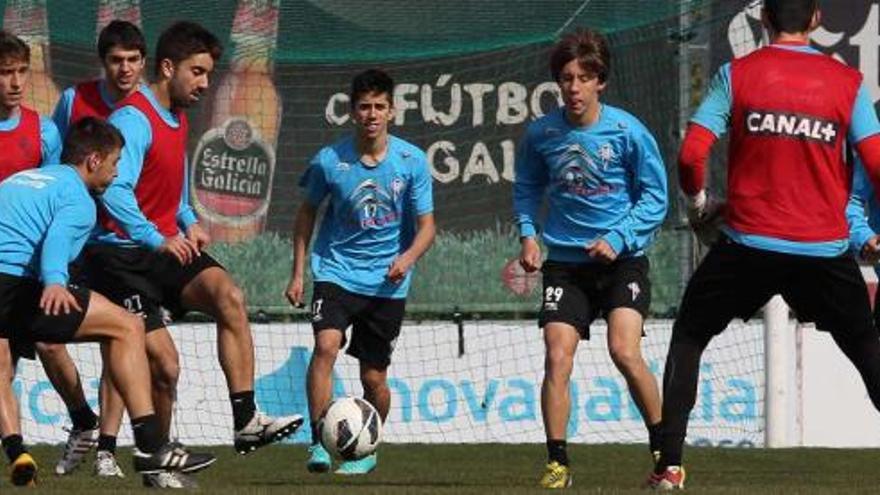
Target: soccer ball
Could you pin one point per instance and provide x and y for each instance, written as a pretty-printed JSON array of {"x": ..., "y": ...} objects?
[{"x": 351, "y": 428}]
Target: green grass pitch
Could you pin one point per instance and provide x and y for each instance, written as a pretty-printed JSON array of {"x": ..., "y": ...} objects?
[{"x": 477, "y": 469}]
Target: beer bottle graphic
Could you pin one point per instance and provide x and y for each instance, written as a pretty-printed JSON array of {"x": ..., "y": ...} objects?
[
  {"x": 123, "y": 10},
  {"x": 27, "y": 19},
  {"x": 233, "y": 164}
]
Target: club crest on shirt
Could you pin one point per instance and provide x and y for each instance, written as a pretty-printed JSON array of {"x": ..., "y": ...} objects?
[
  {"x": 397, "y": 187},
  {"x": 372, "y": 205},
  {"x": 343, "y": 166},
  {"x": 578, "y": 173},
  {"x": 606, "y": 155}
]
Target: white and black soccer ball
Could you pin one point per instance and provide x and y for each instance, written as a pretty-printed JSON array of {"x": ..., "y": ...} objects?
[{"x": 351, "y": 428}]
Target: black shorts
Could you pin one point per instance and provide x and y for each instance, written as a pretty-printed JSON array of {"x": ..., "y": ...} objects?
[
  {"x": 22, "y": 321},
  {"x": 578, "y": 293},
  {"x": 142, "y": 281},
  {"x": 375, "y": 321},
  {"x": 736, "y": 281}
]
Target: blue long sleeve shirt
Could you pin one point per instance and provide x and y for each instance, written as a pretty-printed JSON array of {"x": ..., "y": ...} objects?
[
  {"x": 605, "y": 181},
  {"x": 46, "y": 215},
  {"x": 862, "y": 201},
  {"x": 119, "y": 199}
]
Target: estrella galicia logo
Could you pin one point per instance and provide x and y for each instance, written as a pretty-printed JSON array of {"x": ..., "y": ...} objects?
[
  {"x": 372, "y": 205},
  {"x": 578, "y": 173}
]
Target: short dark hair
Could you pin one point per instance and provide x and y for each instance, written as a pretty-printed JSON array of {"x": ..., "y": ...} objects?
[
  {"x": 586, "y": 46},
  {"x": 790, "y": 16},
  {"x": 183, "y": 40},
  {"x": 371, "y": 81},
  {"x": 13, "y": 48},
  {"x": 122, "y": 34},
  {"x": 90, "y": 135}
]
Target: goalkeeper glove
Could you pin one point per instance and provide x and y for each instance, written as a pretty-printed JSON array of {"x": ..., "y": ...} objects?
[{"x": 705, "y": 216}]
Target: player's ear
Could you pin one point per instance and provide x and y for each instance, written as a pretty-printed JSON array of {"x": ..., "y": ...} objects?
[
  {"x": 93, "y": 161},
  {"x": 166, "y": 68}
]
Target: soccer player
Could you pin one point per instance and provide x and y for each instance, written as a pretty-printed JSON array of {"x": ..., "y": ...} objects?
[
  {"x": 29, "y": 140},
  {"x": 26, "y": 138},
  {"x": 790, "y": 110},
  {"x": 46, "y": 215},
  {"x": 149, "y": 250},
  {"x": 864, "y": 241},
  {"x": 605, "y": 184},
  {"x": 379, "y": 222},
  {"x": 122, "y": 51}
]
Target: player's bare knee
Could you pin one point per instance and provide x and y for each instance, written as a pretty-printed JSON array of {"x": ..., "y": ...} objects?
[
  {"x": 325, "y": 350},
  {"x": 127, "y": 329},
  {"x": 129, "y": 326},
  {"x": 625, "y": 357},
  {"x": 165, "y": 374},
  {"x": 232, "y": 302},
  {"x": 558, "y": 362}
]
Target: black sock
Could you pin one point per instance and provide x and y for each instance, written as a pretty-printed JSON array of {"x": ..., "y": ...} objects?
[
  {"x": 316, "y": 433},
  {"x": 655, "y": 432},
  {"x": 83, "y": 418},
  {"x": 107, "y": 442},
  {"x": 146, "y": 433},
  {"x": 14, "y": 447},
  {"x": 556, "y": 452},
  {"x": 243, "y": 408}
]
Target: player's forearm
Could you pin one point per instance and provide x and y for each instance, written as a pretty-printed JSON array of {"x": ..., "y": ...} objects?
[
  {"x": 54, "y": 257},
  {"x": 186, "y": 216},
  {"x": 869, "y": 152},
  {"x": 424, "y": 238},
  {"x": 692, "y": 158},
  {"x": 859, "y": 230},
  {"x": 638, "y": 228},
  {"x": 121, "y": 203},
  {"x": 528, "y": 189},
  {"x": 65, "y": 237},
  {"x": 302, "y": 234},
  {"x": 527, "y": 199}
]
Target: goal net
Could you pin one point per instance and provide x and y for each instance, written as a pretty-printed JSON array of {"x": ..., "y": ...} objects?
[{"x": 470, "y": 76}]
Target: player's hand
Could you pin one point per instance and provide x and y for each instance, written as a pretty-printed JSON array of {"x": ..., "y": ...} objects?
[
  {"x": 56, "y": 298},
  {"x": 602, "y": 251},
  {"x": 180, "y": 247},
  {"x": 871, "y": 250},
  {"x": 705, "y": 216},
  {"x": 295, "y": 292},
  {"x": 530, "y": 255},
  {"x": 198, "y": 237},
  {"x": 399, "y": 267}
]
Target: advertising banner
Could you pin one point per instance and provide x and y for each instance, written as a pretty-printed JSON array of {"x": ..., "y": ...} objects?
[{"x": 481, "y": 386}]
